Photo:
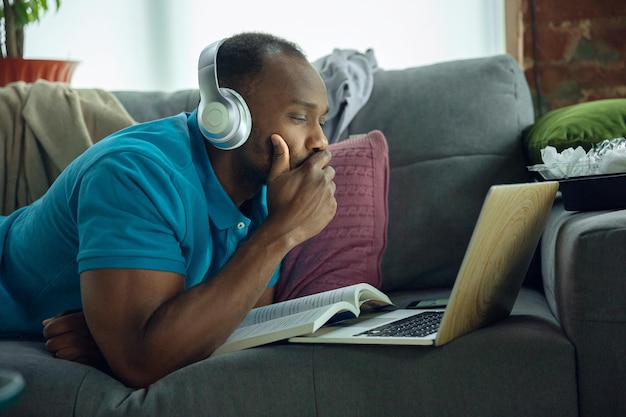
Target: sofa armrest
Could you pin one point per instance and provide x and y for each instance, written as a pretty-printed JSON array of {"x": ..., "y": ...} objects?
[
  {"x": 582, "y": 257},
  {"x": 583, "y": 265}
]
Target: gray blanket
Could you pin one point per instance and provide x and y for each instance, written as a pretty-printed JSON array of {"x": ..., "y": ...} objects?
[{"x": 349, "y": 78}]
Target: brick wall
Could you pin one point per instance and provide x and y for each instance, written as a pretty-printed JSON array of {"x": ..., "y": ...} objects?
[{"x": 574, "y": 51}]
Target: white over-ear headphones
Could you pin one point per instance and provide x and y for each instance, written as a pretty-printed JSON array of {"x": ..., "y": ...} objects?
[{"x": 223, "y": 115}]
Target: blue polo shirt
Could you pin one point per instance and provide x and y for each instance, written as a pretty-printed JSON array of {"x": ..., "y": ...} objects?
[{"x": 145, "y": 197}]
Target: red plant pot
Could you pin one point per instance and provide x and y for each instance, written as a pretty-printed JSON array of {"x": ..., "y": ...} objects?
[{"x": 30, "y": 70}]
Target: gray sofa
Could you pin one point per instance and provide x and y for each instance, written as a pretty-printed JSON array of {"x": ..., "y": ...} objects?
[{"x": 453, "y": 129}]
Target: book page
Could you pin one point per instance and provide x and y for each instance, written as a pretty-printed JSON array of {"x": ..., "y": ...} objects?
[
  {"x": 282, "y": 323},
  {"x": 350, "y": 294},
  {"x": 282, "y": 327}
]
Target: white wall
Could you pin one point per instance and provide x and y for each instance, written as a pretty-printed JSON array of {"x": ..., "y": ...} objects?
[{"x": 154, "y": 44}]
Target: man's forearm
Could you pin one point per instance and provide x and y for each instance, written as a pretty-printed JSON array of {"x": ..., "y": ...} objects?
[{"x": 147, "y": 325}]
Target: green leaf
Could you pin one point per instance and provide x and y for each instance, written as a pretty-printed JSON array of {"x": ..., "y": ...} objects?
[
  {"x": 21, "y": 14},
  {"x": 29, "y": 11}
]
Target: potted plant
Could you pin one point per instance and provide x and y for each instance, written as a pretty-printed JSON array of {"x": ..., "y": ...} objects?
[{"x": 15, "y": 15}]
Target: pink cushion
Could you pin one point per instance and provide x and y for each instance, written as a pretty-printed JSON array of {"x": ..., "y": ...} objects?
[{"x": 349, "y": 250}]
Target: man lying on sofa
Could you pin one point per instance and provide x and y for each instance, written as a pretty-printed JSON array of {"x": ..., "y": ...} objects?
[{"x": 123, "y": 233}]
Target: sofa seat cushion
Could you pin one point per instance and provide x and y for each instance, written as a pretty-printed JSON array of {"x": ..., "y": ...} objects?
[{"x": 491, "y": 372}]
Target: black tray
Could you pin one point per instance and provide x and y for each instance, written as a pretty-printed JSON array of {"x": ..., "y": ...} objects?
[{"x": 594, "y": 192}]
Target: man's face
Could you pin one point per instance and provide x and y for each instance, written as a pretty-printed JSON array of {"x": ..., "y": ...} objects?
[{"x": 288, "y": 98}]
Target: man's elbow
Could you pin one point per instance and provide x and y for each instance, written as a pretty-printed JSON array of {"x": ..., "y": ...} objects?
[{"x": 142, "y": 372}]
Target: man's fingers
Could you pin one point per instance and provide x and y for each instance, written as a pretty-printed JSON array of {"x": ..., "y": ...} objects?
[
  {"x": 74, "y": 353},
  {"x": 69, "y": 339},
  {"x": 330, "y": 172},
  {"x": 67, "y": 322},
  {"x": 91, "y": 357},
  {"x": 320, "y": 159},
  {"x": 64, "y": 313}
]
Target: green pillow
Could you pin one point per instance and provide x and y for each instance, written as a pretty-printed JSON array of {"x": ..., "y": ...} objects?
[{"x": 581, "y": 124}]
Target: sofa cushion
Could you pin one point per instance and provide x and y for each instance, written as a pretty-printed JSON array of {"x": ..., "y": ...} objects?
[
  {"x": 350, "y": 248},
  {"x": 581, "y": 124},
  {"x": 162, "y": 103},
  {"x": 453, "y": 129}
]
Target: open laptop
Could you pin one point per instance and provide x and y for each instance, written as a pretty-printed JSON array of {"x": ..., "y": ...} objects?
[{"x": 497, "y": 258}]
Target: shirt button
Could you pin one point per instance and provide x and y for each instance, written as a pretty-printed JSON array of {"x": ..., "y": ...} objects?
[{"x": 241, "y": 225}]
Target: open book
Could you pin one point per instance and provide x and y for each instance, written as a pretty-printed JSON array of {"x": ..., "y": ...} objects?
[{"x": 303, "y": 315}]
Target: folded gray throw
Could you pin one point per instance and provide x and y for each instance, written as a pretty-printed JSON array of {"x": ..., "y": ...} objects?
[{"x": 349, "y": 78}]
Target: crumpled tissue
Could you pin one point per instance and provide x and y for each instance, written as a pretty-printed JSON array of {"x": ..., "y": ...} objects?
[
  {"x": 606, "y": 157},
  {"x": 610, "y": 156}
]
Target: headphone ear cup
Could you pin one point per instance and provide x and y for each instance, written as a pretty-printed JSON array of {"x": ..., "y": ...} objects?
[
  {"x": 223, "y": 116},
  {"x": 241, "y": 119},
  {"x": 214, "y": 118}
]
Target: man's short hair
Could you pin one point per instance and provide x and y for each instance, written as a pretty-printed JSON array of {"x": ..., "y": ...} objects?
[{"x": 241, "y": 57}]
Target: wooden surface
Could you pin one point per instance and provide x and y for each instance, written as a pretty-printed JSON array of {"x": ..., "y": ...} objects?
[{"x": 499, "y": 253}]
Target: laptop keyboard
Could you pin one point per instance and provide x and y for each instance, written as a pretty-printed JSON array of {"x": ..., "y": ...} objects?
[{"x": 419, "y": 325}]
